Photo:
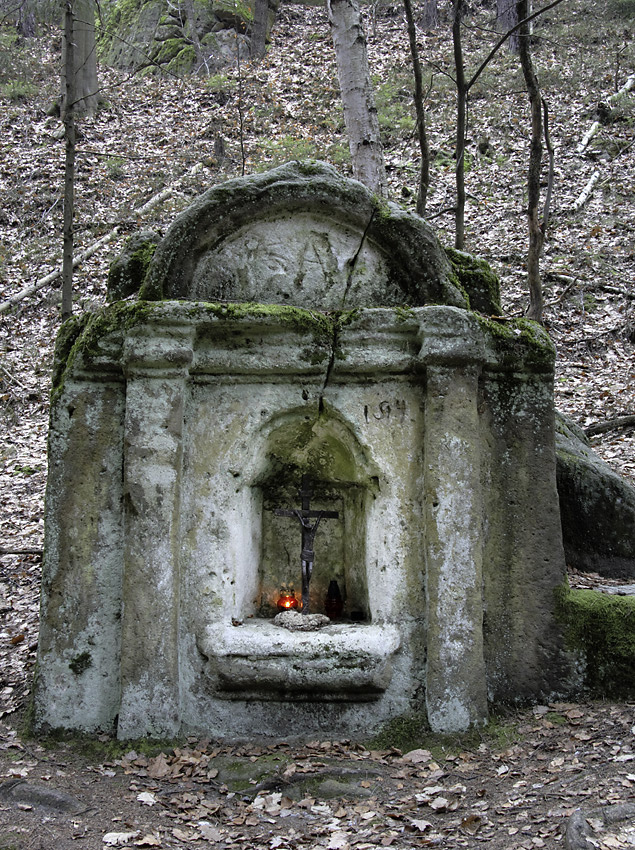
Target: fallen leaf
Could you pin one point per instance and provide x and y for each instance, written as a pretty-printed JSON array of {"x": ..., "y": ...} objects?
[
  {"x": 338, "y": 841},
  {"x": 471, "y": 824},
  {"x": 209, "y": 832},
  {"x": 417, "y": 756},
  {"x": 182, "y": 835},
  {"x": 147, "y": 798},
  {"x": 421, "y": 825},
  {"x": 158, "y": 767}
]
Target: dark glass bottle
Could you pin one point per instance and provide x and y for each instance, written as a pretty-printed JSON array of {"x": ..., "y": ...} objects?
[{"x": 333, "y": 604}]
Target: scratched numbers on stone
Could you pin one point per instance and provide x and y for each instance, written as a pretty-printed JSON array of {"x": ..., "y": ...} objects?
[{"x": 388, "y": 411}]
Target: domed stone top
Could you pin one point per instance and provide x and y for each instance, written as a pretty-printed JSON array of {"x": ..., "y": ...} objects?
[{"x": 305, "y": 236}]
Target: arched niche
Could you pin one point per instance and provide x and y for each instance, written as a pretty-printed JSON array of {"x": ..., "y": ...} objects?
[{"x": 343, "y": 479}]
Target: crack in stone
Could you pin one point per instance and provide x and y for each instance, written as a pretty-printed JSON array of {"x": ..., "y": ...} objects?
[{"x": 352, "y": 264}]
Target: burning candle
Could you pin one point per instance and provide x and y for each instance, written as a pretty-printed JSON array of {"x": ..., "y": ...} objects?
[{"x": 286, "y": 600}]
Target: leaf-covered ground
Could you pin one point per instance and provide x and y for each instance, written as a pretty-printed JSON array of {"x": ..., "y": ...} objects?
[
  {"x": 514, "y": 787},
  {"x": 162, "y": 133}
]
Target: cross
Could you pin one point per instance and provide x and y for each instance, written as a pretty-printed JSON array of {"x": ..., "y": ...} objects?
[{"x": 305, "y": 515}]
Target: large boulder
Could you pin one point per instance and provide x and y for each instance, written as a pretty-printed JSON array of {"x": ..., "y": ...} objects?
[{"x": 597, "y": 507}]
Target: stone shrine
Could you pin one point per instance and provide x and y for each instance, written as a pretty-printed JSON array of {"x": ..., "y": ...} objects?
[{"x": 290, "y": 325}]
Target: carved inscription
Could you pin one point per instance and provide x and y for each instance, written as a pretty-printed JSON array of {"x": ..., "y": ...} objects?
[{"x": 394, "y": 411}]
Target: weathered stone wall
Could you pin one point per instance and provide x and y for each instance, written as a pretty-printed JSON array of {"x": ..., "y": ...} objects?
[{"x": 441, "y": 471}]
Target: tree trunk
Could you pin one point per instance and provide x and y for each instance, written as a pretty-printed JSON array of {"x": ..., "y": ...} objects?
[
  {"x": 430, "y": 15},
  {"x": 536, "y": 235},
  {"x": 461, "y": 126},
  {"x": 506, "y": 19},
  {"x": 424, "y": 172},
  {"x": 85, "y": 58},
  {"x": 25, "y": 24},
  {"x": 69, "y": 171},
  {"x": 259, "y": 29},
  {"x": 360, "y": 112}
]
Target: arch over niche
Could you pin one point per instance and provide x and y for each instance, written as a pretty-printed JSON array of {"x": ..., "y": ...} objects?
[
  {"x": 304, "y": 236},
  {"x": 344, "y": 479}
]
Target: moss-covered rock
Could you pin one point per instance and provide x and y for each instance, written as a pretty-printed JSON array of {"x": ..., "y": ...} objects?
[
  {"x": 478, "y": 280},
  {"x": 600, "y": 629},
  {"x": 127, "y": 272}
]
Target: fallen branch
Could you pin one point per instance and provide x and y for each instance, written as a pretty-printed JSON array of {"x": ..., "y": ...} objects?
[
  {"x": 157, "y": 199},
  {"x": 39, "y": 552},
  {"x": 44, "y": 281},
  {"x": 628, "y": 85},
  {"x": 587, "y": 137},
  {"x": 611, "y": 425},
  {"x": 586, "y": 192}
]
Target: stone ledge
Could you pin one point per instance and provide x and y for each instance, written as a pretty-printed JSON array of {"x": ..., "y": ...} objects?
[{"x": 338, "y": 663}]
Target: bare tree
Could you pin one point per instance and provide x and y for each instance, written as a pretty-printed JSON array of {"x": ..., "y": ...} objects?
[
  {"x": 463, "y": 87},
  {"x": 360, "y": 112},
  {"x": 25, "y": 25},
  {"x": 259, "y": 29},
  {"x": 424, "y": 171},
  {"x": 536, "y": 231},
  {"x": 190, "y": 13},
  {"x": 430, "y": 15},
  {"x": 69, "y": 99}
]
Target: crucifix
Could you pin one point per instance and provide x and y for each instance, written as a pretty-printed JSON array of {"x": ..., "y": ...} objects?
[{"x": 305, "y": 515}]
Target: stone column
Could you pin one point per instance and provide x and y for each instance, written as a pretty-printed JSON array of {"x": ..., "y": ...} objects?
[
  {"x": 456, "y": 691},
  {"x": 157, "y": 360}
]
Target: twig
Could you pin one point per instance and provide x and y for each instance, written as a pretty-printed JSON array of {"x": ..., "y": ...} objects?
[
  {"x": 628, "y": 85},
  {"x": 13, "y": 378},
  {"x": 611, "y": 425}
]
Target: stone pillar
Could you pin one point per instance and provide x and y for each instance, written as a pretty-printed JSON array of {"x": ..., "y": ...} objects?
[
  {"x": 78, "y": 685},
  {"x": 456, "y": 692},
  {"x": 157, "y": 360}
]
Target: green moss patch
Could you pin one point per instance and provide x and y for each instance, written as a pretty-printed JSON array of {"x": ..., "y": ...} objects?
[
  {"x": 477, "y": 280},
  {"x": 601, "y": 628},
  {"x": 412, "y": 731},
  {"x": 520, "y": 343}
]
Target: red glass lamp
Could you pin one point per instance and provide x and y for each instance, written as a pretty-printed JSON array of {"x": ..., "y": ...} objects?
[{"x": 286, "y": 600}]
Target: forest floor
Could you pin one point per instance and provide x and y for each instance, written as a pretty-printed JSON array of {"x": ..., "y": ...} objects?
[{"x": 158, "y": 132}]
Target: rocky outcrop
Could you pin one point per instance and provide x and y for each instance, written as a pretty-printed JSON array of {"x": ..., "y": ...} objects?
[
  {"x": 146, "y": 33},
  {"x": 597, "y": 507}
]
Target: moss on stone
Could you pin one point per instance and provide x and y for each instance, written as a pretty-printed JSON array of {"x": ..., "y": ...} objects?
[
  {"x": 601, "y": 627},
  {"x": 80, "y": 336},
  {"x": 310, "y": 323},
  {"x": 475, "y": 277},
  {"x": 66, "y": 339},
  {"x": 520, "y": 343},
  {"x": 403, "y": 314},
  {"x": 184, "y": 60},
  {"x": 127, "y": 272}
]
